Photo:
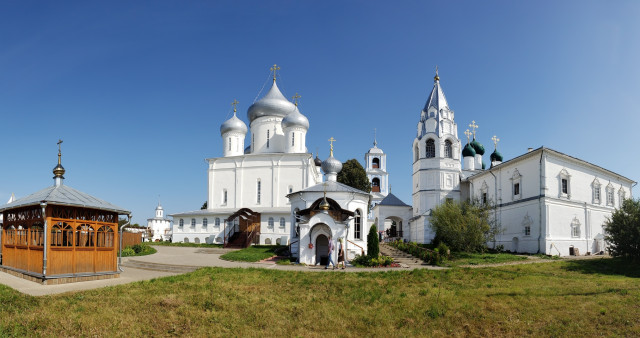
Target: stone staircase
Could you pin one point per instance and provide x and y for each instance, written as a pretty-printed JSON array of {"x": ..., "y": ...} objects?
[
  {"x": 404, "y": 259},
  {"x": 130, "y": 263}
]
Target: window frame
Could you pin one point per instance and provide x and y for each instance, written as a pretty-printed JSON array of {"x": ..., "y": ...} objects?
[
  {"x": 430, "y": 148},
  {"x": 448, "y": 149},
  {"x": 357, "y": 225}
]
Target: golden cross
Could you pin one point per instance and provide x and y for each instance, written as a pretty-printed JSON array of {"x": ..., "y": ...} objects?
[
  {"x": 495, "y": 140},
  {"x": 274, "y": 69},
  {"x": 295, "y": 99},
  {"x": 436, "y": 78},
  {"x": 59, "y": 143},
  {"x": 332, "y": 140},
  {"x": 234, "y": 104},
  {"x": 468, "y": 133},
  {"x": 474, "y": 126}
]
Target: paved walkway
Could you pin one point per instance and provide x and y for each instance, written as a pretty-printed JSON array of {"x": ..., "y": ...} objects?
[{"x": 183, "y": 257}]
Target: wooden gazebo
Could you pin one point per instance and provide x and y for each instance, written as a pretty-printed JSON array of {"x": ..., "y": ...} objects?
[{"x": 60, "y": 235}]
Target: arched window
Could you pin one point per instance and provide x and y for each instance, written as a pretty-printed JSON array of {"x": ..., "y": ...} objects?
[
  {"x": 357, "y": 228},
  {"x": 417, "y": 153},
  {"x": 375, "y": 163},
  {"x": 205, "y": 222},
  {"x": 282, "y": 222},
  {"x": 217, "y": 222},
  {"x": 267, "y": 241},
  {"x": 448, "y": 152},
  {"x": 186, "y": 240},
  {"x": 105, "y": 237},
  {"x": 196, "y": 240},
  {"x": 61, "y": 235},
  {"x": 375, "y": 185},
  {"x": 270, "y": 224},
  {"x": 575, "y": 227},
  {"x": 278, "y": 241},
  {"x": 431, "y": 148},
  {"x": 84, "y": 236}
]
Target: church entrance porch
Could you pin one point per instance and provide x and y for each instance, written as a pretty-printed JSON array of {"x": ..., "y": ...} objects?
[{"x": 322, "y": 250}]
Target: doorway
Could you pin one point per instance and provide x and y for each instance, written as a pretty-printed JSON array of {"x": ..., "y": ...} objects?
[{"x": 322, "y": 249}]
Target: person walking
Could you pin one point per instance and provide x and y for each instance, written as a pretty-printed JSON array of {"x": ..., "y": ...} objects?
[
  {"x": 330, "y": 260},
  {"x": 341, "y": 254}
]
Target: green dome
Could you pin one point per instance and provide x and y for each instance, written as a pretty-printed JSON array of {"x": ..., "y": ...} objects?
[
  {"x": 484, "y": 166},
  {"x": 496, "y": 156},
  {"x": 468, "y": 151},
  {"x": 477, "y": 147}
]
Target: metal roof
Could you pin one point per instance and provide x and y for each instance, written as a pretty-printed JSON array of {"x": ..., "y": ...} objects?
[
  {"x": 392, "y": 200},
  {"x": 64, "y": 195},
  {"x": 331, "y": 186}
]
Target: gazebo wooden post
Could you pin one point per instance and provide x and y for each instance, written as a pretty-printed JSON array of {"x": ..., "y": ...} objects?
[{"x": 46, "y": 243}]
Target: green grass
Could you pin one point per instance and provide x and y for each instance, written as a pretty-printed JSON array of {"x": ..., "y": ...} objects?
[
  {"x": 189, "y": 245},
  {"x": 253, "y": 253},
  {"x": 466, "y": 258},
  {"x": 142, "y": 249},
  {"x": 562, "y": 298}
]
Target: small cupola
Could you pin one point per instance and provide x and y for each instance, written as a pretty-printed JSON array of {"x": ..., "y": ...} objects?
[
  {"x": 331, "y": 166},
  {"x": 496, "y": 157},
  {"x": 58, "y": 171}
]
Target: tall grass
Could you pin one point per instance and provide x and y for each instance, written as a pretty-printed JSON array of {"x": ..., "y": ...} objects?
[{"x": 576, "y": 298}]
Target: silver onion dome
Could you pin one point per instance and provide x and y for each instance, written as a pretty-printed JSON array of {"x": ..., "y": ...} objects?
[
  {"x": 331, "y": 165},
  {"x": 272, "y": 104},
  {"x": 233, "y": 124},
  {"x": 295, "y": 119}
]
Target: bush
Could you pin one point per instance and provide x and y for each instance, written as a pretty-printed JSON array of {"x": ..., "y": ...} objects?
[
  {"x": 465, "y": 226},
  {"x": 128, "y": 251},
  {"x": 623, "y": 230},
  {"x": 372, "y": 261},
  {"x": 373, "y": 245}
]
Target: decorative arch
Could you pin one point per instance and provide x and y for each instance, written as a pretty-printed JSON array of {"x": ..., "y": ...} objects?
[
  {"x": 448, "y": 149},
  {"x": 375, "y": 184},
  {"x": 416, "y": 153},
  {"x": 375, "y": 163}
]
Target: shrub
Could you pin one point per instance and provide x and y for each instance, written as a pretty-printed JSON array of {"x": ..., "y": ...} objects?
[
  {"x": 372, "y": 261},
  {"x": 373, "y": 246},
  {"x": 623, "y": 230},
  {"x": 128, "y": 251},
  {"x": 465, "y": 226}
]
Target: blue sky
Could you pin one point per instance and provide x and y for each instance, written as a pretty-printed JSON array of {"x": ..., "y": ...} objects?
[{"x": 138, "y": 90}]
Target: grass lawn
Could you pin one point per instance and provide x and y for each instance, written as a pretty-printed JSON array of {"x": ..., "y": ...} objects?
[
  {"x": 466, "y": 258},
  {"x": 253, "y": 253},
  {"x": 190, "y": 245},
  {"x": 574, "y": 298}
]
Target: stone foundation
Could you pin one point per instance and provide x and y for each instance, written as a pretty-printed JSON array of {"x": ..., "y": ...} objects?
[{"x": 55, "y": 280}]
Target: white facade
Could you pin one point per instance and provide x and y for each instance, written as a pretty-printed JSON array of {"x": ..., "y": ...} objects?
[
  {"x": 436, "y": 162},
  {"x": 376, "y": 168},
  {"x": 259, "y": 177},
  {"x": 548, "y": 201},
  {"x": 159, "y": 225}
]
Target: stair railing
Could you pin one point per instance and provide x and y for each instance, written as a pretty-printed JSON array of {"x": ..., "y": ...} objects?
[
  {"x": 290, "y": 244},
  {"x": 362, "y": 249}
]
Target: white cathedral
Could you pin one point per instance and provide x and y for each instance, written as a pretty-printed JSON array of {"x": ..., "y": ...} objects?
[{"x": 272, "y": 191}]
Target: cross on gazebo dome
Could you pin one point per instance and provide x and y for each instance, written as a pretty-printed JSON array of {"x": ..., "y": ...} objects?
[{"x": 331, "y": 140}]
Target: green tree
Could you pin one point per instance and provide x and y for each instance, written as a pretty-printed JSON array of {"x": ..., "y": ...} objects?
[
  {"x": 466, "y": 226},
  {"x": 204, "y": 205},
  {"x": 354, "y": 175},
  {"x": 373, "y": 246},
  {"x": 622, "y": 230}
]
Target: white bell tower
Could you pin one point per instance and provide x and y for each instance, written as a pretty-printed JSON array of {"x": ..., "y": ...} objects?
[{"x": 436, "y": 162}]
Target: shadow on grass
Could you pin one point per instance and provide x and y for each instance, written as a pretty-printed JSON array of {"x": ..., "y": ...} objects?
[{"x": 605, "y": 266}]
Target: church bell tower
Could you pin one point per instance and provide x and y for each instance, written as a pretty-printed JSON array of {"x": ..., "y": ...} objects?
[{"x": 436, "y": 162}]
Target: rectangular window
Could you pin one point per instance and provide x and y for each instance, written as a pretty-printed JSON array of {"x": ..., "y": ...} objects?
[
  {"x": 267, "y": 138},
  {"x": 229, "y": 143},
  {"x": 516, "y": 189},
  {"x": 596, "y": 194},
  {"x": 205, "y": 222},
  {"x": 609, "y": 196},
  {"x": 565, "y": 186},
  {"x": 484, "y": 198},
  {"x": 293, "y": 139},
  {"x": 258, "y": 197},
  {"x": 527, "y": 231},
  {"x": 224, "y": 196}
]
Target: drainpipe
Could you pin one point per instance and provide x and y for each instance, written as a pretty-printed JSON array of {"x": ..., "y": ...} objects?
[
  {"x": 43, "y": 205},
  {"x": 120, "y": 246},
  {"x": 495, "y": 208},
  {"x": 540, "y": 201}
]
